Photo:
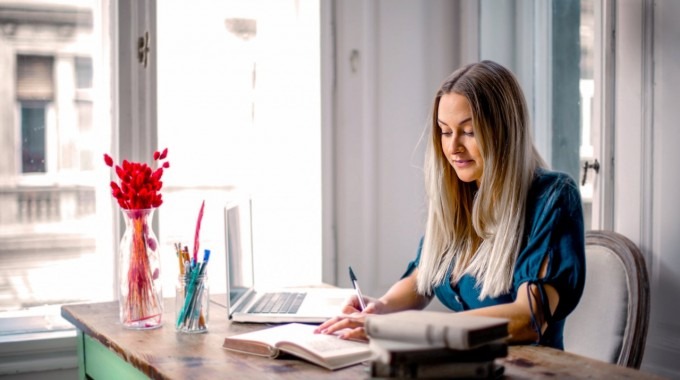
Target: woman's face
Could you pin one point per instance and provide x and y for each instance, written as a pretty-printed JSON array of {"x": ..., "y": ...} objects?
[{"x": 454, "y": 117}]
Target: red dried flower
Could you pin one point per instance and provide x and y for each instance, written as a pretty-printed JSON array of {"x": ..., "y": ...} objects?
[
  {"x": 108, "y": 160},
  {"x": 140, "y": 185}
]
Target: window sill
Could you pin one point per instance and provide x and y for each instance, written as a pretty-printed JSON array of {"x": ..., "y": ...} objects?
[
  {"x": 37, "y": 352},
  {"x": 34, "y": 343}
]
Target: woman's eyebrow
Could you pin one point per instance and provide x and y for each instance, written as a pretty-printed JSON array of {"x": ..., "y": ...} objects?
[{"x": 465, "y": 121}]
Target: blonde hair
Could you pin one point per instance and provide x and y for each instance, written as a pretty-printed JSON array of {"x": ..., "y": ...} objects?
[{"x": 479, "y": 231}]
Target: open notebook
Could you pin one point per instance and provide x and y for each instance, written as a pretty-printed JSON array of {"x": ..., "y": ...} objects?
[{"x": 245, "y": 303}]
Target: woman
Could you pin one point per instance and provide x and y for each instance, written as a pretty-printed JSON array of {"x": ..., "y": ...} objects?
[{"x": 504, "y": 236}]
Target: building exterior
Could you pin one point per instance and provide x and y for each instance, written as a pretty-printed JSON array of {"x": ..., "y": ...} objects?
[{"x": 46, "y": 158}]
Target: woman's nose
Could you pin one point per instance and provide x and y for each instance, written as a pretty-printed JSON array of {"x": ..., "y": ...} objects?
[{"x": 454, "y": 144}]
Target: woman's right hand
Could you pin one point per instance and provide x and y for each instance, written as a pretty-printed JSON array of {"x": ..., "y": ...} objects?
[
  {"x": 401, "y": 296},
  {"x": 352, "y": 305}
]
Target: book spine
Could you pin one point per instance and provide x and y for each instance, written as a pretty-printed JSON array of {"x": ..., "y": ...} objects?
[
  {"x": 418, "y": 333},
  {"x": 465, "y": 370},
  {"x": 441, "y": 355},
  {"x": 480, "y": 337}
]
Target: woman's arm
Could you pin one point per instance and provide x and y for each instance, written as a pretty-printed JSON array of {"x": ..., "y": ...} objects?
[
  {"x": 403, "y": 296},
  {"x": 519, "y": 312}
]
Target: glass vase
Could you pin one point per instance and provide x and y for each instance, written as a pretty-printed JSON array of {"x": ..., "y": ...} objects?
[{"x": 140, "y": 297}]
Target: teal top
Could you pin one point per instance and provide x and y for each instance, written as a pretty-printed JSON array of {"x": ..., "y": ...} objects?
[{"x": 553, "y": 228}]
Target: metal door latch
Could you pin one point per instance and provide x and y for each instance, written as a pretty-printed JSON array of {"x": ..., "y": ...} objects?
[
  {"x": 587, "y": 165},
  {"x": 143, "y": 49}
]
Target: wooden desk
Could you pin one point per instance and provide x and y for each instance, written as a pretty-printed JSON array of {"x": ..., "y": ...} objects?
[{"x": 108, "y": 351}]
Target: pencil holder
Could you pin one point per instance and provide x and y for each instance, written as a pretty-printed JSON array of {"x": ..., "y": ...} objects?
[{"x": 192, "y": 303}]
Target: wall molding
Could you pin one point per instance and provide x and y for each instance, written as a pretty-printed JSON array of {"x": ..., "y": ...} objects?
[{"x": 647, "y": 131}]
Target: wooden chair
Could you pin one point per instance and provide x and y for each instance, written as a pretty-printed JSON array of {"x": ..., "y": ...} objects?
[{"x": 610, "y": 322}]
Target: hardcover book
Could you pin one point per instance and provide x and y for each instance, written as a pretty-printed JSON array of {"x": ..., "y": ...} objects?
[
  {"x": 395, "y": 352},
  {"x": 462, "y": 370},
  {"x": 439, "y": 329},
  {"x": 299, "y": 340}
]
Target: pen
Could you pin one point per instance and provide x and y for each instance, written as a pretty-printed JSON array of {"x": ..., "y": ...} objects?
[{"x": 353, "y": 278}]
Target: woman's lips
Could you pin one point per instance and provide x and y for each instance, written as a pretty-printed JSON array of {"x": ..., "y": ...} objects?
[{"x": 462, "y": 163}]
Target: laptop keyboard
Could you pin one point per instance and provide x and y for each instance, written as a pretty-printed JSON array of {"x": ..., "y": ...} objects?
[{"x": 278, "y": 303}]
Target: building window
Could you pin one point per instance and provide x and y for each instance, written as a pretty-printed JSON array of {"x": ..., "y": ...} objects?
[
  {"x": 83, "y": 67},
  {"x": 55, "y": 210},
  {"x": 34, "y": 89},
  {"x": 35, "y": 77},
  {"x": 33, "y": 137}
]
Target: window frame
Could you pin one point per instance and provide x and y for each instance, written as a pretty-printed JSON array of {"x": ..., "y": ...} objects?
[{"x": 130, "y": 109}]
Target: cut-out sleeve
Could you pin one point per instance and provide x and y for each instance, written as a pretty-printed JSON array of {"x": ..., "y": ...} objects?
[{"x": 554, "y": 231}]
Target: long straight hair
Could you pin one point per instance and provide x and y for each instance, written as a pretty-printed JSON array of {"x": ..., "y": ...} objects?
[{"x": 479, "y": 231}]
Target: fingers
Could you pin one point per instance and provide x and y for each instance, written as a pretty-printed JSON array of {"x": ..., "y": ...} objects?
[
  {"x": 342, "y": 322},
  {"x": 358, "y": 333},
  {"x": 335, "y": 324},
  {"x": 350, "y": 309},
  {"x": 327, "y": 324},
  {"x": 352, "y": 305},
  {"x": 371, "y": 308}
]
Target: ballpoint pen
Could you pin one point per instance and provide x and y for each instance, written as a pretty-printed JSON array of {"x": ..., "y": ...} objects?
[{"x": 355, "y": 283}]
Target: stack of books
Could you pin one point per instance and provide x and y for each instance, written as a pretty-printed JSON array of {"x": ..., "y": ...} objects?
[{"x": 428, "y": 344}]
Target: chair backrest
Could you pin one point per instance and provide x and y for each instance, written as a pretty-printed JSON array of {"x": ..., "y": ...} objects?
[{"x": 610, "y": 322}]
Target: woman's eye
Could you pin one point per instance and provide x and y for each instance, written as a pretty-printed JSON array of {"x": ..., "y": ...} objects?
[
  {"x": 446, "y": 133},
  {"x": 469, "y": 133}
]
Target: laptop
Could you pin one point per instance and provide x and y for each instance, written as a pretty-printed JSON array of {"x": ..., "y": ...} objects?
[{"x": 245, "y": 303}]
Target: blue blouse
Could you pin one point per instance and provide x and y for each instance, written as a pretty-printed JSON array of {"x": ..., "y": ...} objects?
[{"x": 553, "y": 227}]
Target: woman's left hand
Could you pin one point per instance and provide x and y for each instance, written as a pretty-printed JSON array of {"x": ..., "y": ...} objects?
[{"x": 352, "y": 324}]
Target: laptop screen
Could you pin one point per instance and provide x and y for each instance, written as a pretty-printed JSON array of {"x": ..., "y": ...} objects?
[{"x": 239, "y": 250}]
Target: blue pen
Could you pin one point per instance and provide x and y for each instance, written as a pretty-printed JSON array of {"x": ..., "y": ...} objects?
[
  {"x": 206, "y": 257},
  {"x": 355, "y": 283}
]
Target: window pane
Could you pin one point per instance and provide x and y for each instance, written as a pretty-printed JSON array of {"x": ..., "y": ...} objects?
[
  {"x": 551, "y": 47},
  {"x": 83, "y": 68},
  {"x": 587, "y": 91},
  {"x": 55, "y": 209},
  {"x": 573, "y": 94},
  {"x": 203, "y": 119},
  {"x": 33, "y": 138},
  {"x": 35, "y": 77},
  {"x": 239, "y": 107}
]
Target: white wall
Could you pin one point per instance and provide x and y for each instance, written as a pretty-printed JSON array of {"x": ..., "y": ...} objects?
[
  {"x": 391, "y": 56},
  {"x": 380, "y": 112},
  {"x": 663, "y": 347},
  {"x": 646, "y": 207}
]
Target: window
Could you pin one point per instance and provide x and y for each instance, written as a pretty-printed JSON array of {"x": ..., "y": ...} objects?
[
  {"x": 551, "y": 46},
  {"x": 247, "y": 119},
  {"x": 83, "y": 72},
  {"x": 57, "y": 221},
  {"x": 587, "y": 155},
  {"x": 33, "y": 137},
  {"x": 56, "y": 212},
  {"x": 51, "y": 198},
  {"x": 34, "y": 91}
]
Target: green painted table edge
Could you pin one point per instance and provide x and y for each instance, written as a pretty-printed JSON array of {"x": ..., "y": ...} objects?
[{"x": 95, "y": 361}]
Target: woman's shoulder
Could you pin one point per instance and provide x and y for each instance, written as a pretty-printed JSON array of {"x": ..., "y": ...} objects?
[
  {"x": 550, "y": 188},
  {"x": 551, "y": 180}
]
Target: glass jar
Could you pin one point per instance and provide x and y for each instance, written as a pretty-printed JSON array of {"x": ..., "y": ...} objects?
[{"x": 192, "y": 300}]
